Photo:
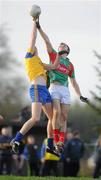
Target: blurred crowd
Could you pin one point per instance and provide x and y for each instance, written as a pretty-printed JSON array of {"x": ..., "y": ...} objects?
[{"x": 33, "y": 160}]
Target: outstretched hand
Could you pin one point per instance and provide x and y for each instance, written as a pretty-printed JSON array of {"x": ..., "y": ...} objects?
[
  {"x": 37, "y": 23},
  {"x": 35, "y": 18},
  {"x": 84, "y": 99}
]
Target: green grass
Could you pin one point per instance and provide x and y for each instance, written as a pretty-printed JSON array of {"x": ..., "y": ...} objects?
[{"x": 42, "y": 178}]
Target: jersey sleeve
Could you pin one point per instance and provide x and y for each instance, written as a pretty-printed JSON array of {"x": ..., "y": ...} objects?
[
  {"x": 52, "y": 56},
  {"x": 72, "y": 72},
  {"x": 29, "y": 54}
]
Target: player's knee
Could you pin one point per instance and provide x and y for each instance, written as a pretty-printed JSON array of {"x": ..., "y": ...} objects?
[
  {"x": 49, "y": 122},
  {"x": 35, "y": 121},
  {"x": 56, "y": 113},
  {"x": 64, "y": 117}
]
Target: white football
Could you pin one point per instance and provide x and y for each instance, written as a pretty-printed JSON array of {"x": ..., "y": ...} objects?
[{"x": 35, "y": 11}]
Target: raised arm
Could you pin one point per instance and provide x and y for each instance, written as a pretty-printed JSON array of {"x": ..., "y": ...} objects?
[
  {"x": 54, "y": 65},
  {"x": 33, "y": 36},
  {"x": 44, "y": 36}
]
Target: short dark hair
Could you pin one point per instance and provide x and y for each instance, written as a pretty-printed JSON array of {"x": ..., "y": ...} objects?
[
  {"x": 68, "y": 48},
  {"x": 75, "y": 133}
]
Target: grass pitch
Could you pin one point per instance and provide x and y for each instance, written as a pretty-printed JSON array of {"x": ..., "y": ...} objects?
[{"x": 42, "y": 178}]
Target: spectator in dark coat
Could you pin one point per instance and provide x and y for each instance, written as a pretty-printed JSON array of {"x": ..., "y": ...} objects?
[
  {"x": 97, "y": 170},
  {"x": 73, "y": 152},
  {"x": 32, "y": 156},
  {"x": 5, "y": 151}
]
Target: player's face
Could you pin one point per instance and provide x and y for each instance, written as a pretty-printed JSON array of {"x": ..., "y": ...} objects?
[{"x": 63, "y": 47}]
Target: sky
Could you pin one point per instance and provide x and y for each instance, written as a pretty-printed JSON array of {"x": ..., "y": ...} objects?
[{"x": 75, "y": 22}]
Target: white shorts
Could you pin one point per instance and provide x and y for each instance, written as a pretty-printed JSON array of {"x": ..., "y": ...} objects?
[{"x": 60, "y": 92}]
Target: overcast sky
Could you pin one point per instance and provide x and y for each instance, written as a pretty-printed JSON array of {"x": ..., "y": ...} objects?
[{"x": 76, "y": 22}]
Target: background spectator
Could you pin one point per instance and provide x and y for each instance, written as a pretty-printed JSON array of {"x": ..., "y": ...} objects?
[
  {"x": 32, "y": 156},
  {"x": 97, "y": 170},
  {"x": 73, "y": 152},
  {"x": 49, "y": 162},
  {"x": 5, "y": 151}
]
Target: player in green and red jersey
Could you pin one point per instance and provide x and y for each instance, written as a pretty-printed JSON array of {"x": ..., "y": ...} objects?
[
  {"x": 64, "y": 70},
  {"x": 59, "y": 89}
]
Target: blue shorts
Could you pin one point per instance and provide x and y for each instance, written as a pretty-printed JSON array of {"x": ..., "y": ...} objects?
[{"x": 39, "y": 93}]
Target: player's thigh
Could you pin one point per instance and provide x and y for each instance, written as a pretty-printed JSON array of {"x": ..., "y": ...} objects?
[
  {"x": 47, "y": 108},
  {"x": 36, "y": 110},
  {"x": 65, "y": 110}
]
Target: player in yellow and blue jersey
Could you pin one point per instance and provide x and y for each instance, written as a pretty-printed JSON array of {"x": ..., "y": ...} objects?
[{"x": 39, "y": 94}]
